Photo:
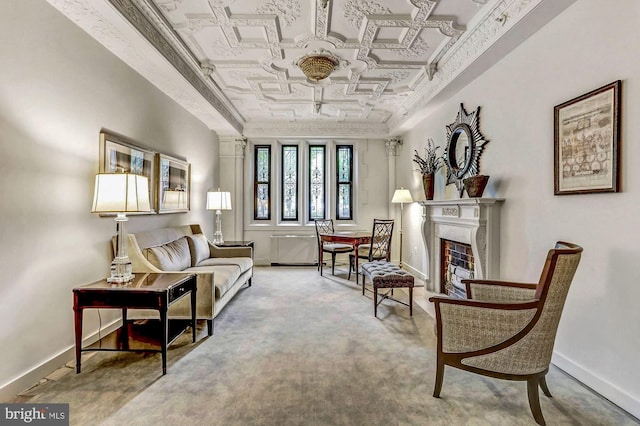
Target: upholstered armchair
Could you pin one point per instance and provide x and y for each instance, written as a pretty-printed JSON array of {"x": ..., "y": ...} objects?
[{"x": 506, "y": 330}]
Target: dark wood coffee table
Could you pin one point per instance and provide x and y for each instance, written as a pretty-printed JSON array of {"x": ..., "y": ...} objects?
[{"x": 146, "y": 291}]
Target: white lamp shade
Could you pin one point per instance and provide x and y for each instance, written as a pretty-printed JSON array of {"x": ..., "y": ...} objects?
[
  {"x": 402, "y": 196},
  {"x": 121, "y": 193},
  {"x": 218, "y": 200}
]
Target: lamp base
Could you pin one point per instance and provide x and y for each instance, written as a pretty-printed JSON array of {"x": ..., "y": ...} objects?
[
  {"x": 121, "y": 267},
  {"x": 121, "y": 270},
  {"x": 217, "y": 236}
]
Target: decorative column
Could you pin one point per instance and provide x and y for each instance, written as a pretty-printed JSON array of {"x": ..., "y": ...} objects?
[
  {"x": 238, "y": 190},
  {"x": 427, "y": 232},
  {"x": 231, "y": 178},
  {"x": 393, "y": 148}
]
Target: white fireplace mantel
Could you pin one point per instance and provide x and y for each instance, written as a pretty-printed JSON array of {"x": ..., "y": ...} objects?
[{"x": 473, "y": 221}]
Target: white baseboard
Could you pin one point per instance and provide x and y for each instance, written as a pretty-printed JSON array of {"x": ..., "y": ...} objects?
[
  {"x": 416, "y": 273},
  {"x": 608, "y": 390},
  {"x": 9, "y": 390}
]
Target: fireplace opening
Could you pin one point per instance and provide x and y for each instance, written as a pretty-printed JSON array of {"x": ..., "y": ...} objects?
[{"x": 457, "y": 263}]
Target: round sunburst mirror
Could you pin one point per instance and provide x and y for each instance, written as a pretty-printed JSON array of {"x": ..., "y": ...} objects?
[{"x": 464, "y": 146}]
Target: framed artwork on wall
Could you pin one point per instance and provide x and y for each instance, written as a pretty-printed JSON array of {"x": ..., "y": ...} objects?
[
  {"x": 119, "y": 154},
  {"x": 173, "y": 187},
  {"x": 587, "y": 142}
]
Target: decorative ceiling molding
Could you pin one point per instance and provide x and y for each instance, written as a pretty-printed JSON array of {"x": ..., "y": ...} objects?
[
  {"x": 107, "y": 26},
  {"x": 239, "y": 56},
  {"x": 144, "y": 25},
  {"x": 273, "y": 79},
  {"x": 272, "y": 129},
  {"x": 475, "y": 42},
  {"x": 287, "y": 10}
]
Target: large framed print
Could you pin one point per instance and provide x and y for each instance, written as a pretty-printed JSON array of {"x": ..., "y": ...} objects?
[
  {"x": 119, "y": 154},
  {"x": 587, "y": 142},
  {"x": 173, "y": 188}
]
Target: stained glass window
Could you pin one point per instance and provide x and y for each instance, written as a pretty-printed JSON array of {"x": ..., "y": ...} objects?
[
  {"x": 316, "y": 182},
  {"x": 289, "y": 182},
  {"x": 262, "y": 190},
  {"x": 344, "y": 168}
]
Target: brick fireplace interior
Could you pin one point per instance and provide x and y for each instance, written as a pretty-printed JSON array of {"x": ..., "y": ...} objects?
[{"x": 457, "y": 264}]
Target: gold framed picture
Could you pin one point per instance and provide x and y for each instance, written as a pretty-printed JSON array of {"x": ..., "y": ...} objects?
[
  {"x": 119, "y": 154},
  {"x": 173, "y": 184}
]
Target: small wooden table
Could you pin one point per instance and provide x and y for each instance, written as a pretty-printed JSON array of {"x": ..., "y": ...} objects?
[
  {"x": 146, "y": 291},
  {"x": 226, "y": 243},
  {"x": 353, "y": 238}
]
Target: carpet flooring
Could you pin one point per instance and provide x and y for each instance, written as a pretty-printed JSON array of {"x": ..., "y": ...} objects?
[{"x": 300, "y": 349}]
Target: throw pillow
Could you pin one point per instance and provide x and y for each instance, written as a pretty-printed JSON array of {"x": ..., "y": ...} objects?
[
  {"x": 173, "y": 256},
  {"x": 199, "y": 247}
]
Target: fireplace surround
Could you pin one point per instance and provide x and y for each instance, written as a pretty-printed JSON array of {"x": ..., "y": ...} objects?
[{"x": 471, "y": 221}]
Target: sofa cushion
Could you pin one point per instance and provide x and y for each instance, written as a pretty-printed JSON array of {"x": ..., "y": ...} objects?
[
  {"x": 173, "y": 256},
  {"x": 199, "y": 248},
  {"x": 224, "y": 276},
  {"x": 158, "y": 237},
  {"x": 244, "y": 263}
]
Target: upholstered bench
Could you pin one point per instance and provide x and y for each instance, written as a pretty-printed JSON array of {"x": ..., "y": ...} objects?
[{"x": 385, "y": 274}]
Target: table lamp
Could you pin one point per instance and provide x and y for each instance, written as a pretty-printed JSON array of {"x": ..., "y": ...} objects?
[
  {"x": 218, "y": 201},
  {"x": 401, "y": 196},
  {"x": 121, "y": 193}
]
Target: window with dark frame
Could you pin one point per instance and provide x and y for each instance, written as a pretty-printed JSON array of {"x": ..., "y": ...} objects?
[
  {"x": 317, "y": 179},
  {"x": 289, "y": 196},
  {"x": 344, "y": 182},
  {"x": 262, "y": 185}
]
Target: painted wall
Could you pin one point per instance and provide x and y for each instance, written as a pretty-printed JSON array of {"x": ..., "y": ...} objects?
[
  {"x": 58, "y": 88},
  {"x": 587, "y": 46}
]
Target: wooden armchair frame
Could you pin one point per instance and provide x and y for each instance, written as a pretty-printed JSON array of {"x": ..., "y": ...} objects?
[
  {"x": 325, "y": 226},
  {"x": 378, "y": 249},
  {"x": 495, "y": 332}
]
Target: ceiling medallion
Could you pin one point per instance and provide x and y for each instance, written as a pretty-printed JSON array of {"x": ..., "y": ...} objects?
[{"x": 318, "y": 64}]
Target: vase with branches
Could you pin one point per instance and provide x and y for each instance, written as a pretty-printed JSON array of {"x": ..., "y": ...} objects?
[{"x": 428, "y": 165}]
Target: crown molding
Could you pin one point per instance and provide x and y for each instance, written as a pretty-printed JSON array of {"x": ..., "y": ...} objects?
[
  {"x": 103, "y": 21},
  {"x": 307, "y": 129},
  {"x": 496, "y": 24}
]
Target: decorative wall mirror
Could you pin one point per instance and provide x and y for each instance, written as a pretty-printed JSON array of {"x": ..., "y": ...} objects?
[{"x": 464, "y": 146}]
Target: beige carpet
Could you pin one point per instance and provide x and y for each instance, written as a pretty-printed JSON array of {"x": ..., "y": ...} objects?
[{"x": 298, "y": 349}]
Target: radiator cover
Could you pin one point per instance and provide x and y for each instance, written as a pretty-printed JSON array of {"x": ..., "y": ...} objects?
[{"x": 294, "y": 250}]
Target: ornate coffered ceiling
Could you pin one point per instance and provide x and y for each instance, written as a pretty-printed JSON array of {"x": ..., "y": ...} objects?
[{"x": 240, "y": 57}]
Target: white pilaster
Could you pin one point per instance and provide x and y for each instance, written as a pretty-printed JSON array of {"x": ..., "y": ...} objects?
[
  {"x": 232, "y": 152},
  {"x": 393, "y": 148}
]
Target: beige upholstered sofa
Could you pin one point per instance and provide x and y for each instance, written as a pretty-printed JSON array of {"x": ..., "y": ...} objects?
[{"x": 221, "y": 271}]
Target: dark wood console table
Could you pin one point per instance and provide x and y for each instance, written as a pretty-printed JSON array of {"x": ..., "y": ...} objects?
[{"x": 146, "y": 291}]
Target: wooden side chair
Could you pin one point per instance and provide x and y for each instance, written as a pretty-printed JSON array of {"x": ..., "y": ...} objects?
[
  {"x": 325, "y": 226},
  {"x": 380, "y": 247},
  {"x": 507, "y": 330}
]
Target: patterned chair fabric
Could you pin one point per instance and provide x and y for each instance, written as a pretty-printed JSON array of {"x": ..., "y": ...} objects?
[
  {"x": 507, "y": 330},
  {"x": 325, "y": 226},
  {"x": 380, "y": 247}
]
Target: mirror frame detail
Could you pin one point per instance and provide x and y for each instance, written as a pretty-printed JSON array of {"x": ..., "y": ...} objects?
[{"x": 469, "y": 124}]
